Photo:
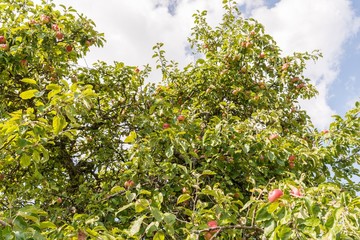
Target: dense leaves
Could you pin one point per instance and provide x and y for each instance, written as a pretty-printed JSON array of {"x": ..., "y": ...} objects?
[{"x": 95, "y": 153}]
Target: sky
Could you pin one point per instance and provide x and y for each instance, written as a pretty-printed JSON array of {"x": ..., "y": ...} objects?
[{"x": 132, "y": 28}]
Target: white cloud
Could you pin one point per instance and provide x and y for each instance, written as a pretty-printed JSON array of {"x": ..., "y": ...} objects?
[
  {"x": 133, "y": 27},
  {"x": 306, "y": 25}
]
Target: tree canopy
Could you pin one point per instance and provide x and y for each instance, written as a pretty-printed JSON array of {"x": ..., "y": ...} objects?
[{"x": 219, "y": 149}]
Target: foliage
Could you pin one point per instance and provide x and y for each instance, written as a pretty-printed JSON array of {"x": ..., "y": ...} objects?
[{"x": 95, "y": 153}]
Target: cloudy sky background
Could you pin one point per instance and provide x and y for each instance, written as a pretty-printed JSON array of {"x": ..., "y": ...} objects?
[{"x": 132, "y": 28}]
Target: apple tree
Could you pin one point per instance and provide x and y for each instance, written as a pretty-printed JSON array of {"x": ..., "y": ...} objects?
[{"x": 219, "y": 149}]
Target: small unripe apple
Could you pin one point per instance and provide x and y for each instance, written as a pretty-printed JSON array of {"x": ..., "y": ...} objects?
[
  {"x": 2, "y": 39},
  {"x": 243, "y": 69},
  {"x": 166, "y": 125},
  {"x": 295, "y": 79},
  {"x": 275, "y": 194},
  {"x": 273, "y": 136},
  {"x": 262, "y": 55},
  {"x": 55, "y": 27},
  {"x": 181, "y": 118},
  {"x": 60, "y": 36},
  {"x": 325, "y": 131},
  {"x": 129, "y": 183},
  {"x": 88, "y": 43},
  {"x": 2, "y": 176},
  {"x": 68, "y": 48},
  {"x": 137, "y": 70},
  {"x": 252, "y": 33},
  {"x": 44, "y": 19},
  {"x": 236, "y": 195},
  {"x": 33, "y": 22},
  {"x": 295, "y": 192},
  {"x": 184, "y": 190},
  {"x": 59, "y": 200},
  {"x": 243, "y": 44}
]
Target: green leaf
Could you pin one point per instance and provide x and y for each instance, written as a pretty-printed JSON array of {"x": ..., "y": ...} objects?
[
  {"x": 28, "y": 80},
  {"x": 157, "y": 214},
  {"x": 135, "y": 227},
  {"x": 59, "y": 123},
  {"x": 159, "y": 236},
  {"x": 47, "y": 224},
  {"x": 312, "y": 222},
  {"x": 208, "y": 172},
  {"x": 131, "y": 138},
  {"x": 183, "y": 198},
  {"x": 141, "y": 205},
  {"x": 25, "y": 160},
  {"x": 169, "y": 218},
  {"x": 28, "y": 94}
]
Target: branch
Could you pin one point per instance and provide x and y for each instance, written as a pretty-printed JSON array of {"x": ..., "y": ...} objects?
[
  {"x": 4, "y": 224},
  {"x": 221, "y": 228}
]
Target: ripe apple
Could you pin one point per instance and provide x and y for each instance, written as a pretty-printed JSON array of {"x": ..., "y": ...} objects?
[
  {"x": 44, "y": 19},
  {"x": 59, "y": 200},
  {"x": 292, "y": 158},
  {"x": 212, "y": 224},
  {"x": 68, "y": 48},
  {"x": 301, "y": 85},
  {"x": 128, "y": 184},
  {"x": 295, "y": 192},
  {"x": 248, "y": 44},
  {"x": 291, "y": 165},
  {"x": 59, "y": 36},
  {"x": 273, "y": 136},
  {"x": 181, "y": 118},
  {"x": 2, "y": 39},
  {"x": 23, "y": 62},
  {"x": 275, "y": 194},
  {"x": 166, "y": 125},
  {"x": 4, "y": 46},
  {"x": 285, "y": 66},
  {"x": 55, "y": 27}
]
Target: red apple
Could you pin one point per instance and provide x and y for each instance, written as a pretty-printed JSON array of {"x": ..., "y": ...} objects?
[
  {"x": 44, "y": 19},
  {"x": 166, "y": 125},
  {"x": 291, "y": 165},
  {"x": 212, "y": 224},
  {"x": 208, "y": 235},
  {"x": 181, "y": 118},
  {"x": 59, "y": 200},
  {"x": 301, "y": 85},
  {"x": 273, "y": 136},
  {"x": 128, "y": 184},
  {"x": 68, "y": 48},
  {"x": 59, "y": 36},
  {"x": 4, "y": 46},
  {"x": 295, "y": 192},
  {"x": 23, "y": 62},
  {"x": 2, "y": 39},
  {"x": 285, "y": 66},
  {"x": 55, "y": 27},
  {"x": 275, "y": 194},
  {"x": 292, "y": 158}
]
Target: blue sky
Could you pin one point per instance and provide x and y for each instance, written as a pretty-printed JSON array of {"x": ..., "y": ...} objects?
[{"x": 133, "y": 27}]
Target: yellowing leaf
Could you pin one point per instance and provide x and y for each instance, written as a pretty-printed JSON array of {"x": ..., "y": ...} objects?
[
  {"x": 59, "y": 123},
  {"x": 25, "y": 161},
  {"x": 28, "y": 94},
  {"x": 28, "y": 80},
  {"x": 131, "y": 138},
  {"x": 159, "y": 236}
]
